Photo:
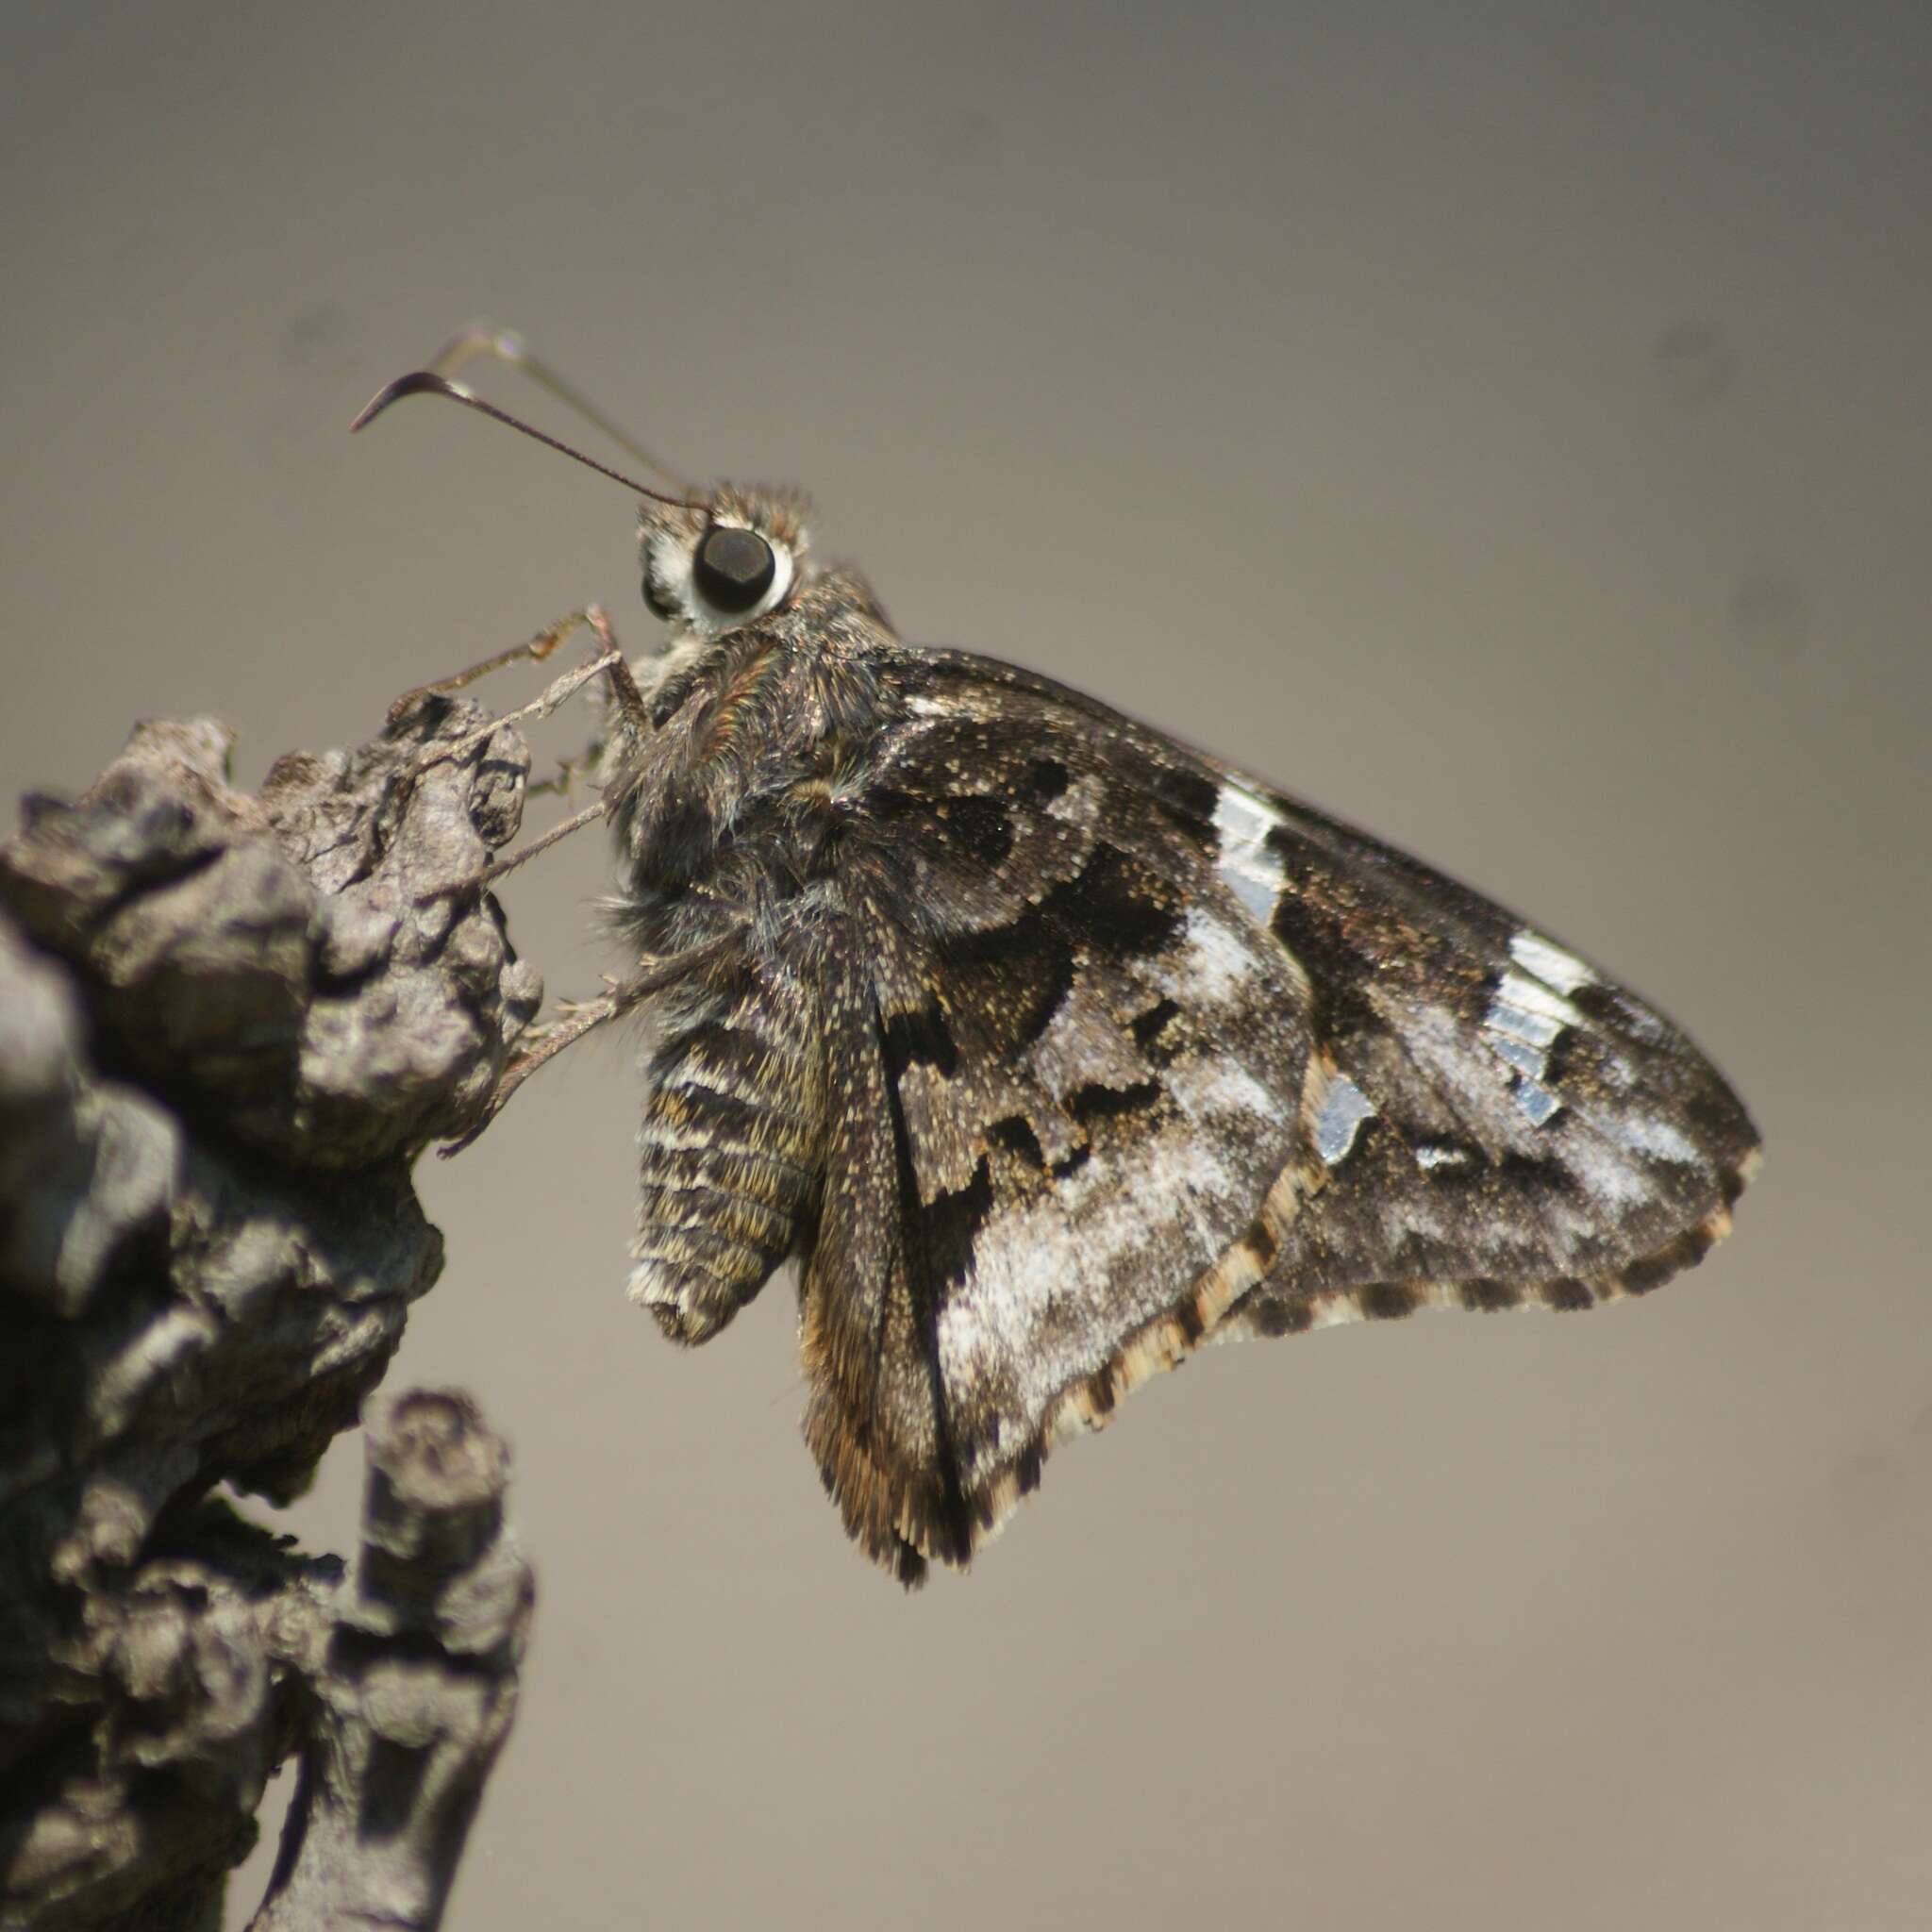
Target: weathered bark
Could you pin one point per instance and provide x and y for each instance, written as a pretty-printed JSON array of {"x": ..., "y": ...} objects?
[{"x": 227, "y": 1024}]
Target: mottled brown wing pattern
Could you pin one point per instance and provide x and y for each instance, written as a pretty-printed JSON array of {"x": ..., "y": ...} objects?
[
  {"x": 1128, "y": 1051},
  {"x": 1069, "y": 1074},
  {"x": 1503, "y": 1124}
]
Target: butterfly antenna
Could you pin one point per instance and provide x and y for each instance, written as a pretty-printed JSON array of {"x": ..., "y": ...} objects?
[
  {"x": 507, "y": 345},
  {"x": 426, "y": 382}
]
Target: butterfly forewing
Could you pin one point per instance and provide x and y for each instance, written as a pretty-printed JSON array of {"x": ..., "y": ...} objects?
[
  {"x": 1133, "y": 1051},
  {"x": 1505, "y": 1123}
]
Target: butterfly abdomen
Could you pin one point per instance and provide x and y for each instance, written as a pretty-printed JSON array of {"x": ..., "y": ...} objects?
[{"x": 729, "y": 1149}]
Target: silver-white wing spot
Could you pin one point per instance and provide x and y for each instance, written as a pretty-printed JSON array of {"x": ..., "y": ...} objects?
[
  {"x": 1537, "y": 1103},
  {"x": 1524, "y": 1020},
  {"x": 1252, "y": 872},
  {"x": 1549, "y": 962},
  {"x": 1344, "y": 1107}
]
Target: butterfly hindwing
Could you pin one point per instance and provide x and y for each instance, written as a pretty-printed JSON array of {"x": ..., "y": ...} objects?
[
  {"x": 1081, "y": 1069},
  {"x": 1129, "y": 1050}
]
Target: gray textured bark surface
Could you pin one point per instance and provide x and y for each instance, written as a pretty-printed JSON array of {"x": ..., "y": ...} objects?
[{"x": 227, "y": 1024}]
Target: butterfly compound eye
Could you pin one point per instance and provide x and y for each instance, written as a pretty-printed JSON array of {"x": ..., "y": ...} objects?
[{"x": 733, "y": 568}]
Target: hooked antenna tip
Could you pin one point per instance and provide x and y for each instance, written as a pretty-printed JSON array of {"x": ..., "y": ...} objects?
[
  {"x": 426, "y": 382},
  {"x": 418, "y": 382}
]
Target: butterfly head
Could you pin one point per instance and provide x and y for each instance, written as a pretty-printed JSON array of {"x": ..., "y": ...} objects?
[
  {"x": 723, "y": 560},
  {"x": 713, "y": 562}
]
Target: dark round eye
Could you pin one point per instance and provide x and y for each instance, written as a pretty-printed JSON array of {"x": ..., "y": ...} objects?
[{"x": 733, "y": 568}]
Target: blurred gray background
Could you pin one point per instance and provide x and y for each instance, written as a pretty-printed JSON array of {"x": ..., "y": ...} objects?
[{"x": 1506, "y": 423}]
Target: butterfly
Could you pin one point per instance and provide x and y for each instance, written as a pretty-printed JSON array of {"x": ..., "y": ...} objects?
[{"x": 1051, "y": 1048}]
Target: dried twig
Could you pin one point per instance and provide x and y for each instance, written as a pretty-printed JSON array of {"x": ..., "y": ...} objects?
[{"x": 227, "y": 1024}]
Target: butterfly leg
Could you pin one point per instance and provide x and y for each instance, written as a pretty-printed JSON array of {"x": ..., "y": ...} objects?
[
  {"x": 629, "y": 716},
  {"x": 543, "y": 842},
  {"x": 533, "y": 651},
  {"x": 609, "y": 662},
  {"x": 577, "y": 1018}
]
